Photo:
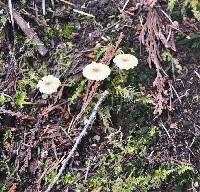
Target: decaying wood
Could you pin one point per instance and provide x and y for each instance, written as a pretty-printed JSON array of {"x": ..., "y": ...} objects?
[
  {"x": 155, "y": 35},
  {"x": 155, "y": 32}
]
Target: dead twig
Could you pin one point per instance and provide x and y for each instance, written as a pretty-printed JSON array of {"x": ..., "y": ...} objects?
[
  {"x": 43, "y": 7},
  {"x": 78, "y": 140},
  {"x": 29, "y": 32},
  {"x": 54, "y": 165},
  {"x": 198, "y": 75},
  {"x": 172, "y": 87},
  {"x": 68, "y": 3},
  {"x": 10, "y": 11},
  {"x": 163, "y": 126},
  {"x": 124, "y": 7},
  {"x": 17, "y": 115}
]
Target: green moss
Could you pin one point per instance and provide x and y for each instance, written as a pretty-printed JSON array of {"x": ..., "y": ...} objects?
[
  {"x": 119, "y": 172},
  {"x": 77, "y": 93},
  {"x": 68, "y": 30}
]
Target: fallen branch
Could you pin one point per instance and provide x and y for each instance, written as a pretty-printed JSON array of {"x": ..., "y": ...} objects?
[
  {"x": 78, "y": 140},
  {"x": 18, "y": 115},
  {"x": 29, "y": 32}
]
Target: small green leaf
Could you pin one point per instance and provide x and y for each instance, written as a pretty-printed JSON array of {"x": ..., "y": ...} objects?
[
  {"x": 21, "y": 99},
  {"x": 2, "y": 99}
]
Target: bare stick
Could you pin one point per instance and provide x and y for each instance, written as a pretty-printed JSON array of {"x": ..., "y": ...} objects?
[
  {"x": 43, "y": 7},
  {"x": 78, "y": 140},
  {"x": 30, "y": 33},
  {"x": 68, "y": 3},
  {"x": 11, "y": 13},
  {"x": 198, "y": 75},
  {"x": 166, "y": 130},
  {"x": 124, "y": 7}
]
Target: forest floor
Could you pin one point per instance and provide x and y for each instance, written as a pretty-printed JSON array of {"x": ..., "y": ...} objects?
[{"x": 146, "y": 134}]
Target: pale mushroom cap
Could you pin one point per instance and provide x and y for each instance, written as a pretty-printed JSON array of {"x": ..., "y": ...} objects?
[
  {"x": 125, "y": 61},
  {"x": 49, "y": 84},
  {"x": 96, "y": 71}
]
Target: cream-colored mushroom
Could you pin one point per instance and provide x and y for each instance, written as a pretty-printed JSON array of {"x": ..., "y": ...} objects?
[
  {"x": 49, "y": 84},
  {"x": 125, "y": 61},
  {"x": 96, "y": 71}
]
